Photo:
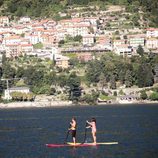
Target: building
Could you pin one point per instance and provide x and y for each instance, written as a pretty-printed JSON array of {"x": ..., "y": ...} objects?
[
  {"x": 41, "y": 53},
  {"x": 34, "y": 39},
  {"x": 124, "y": 50},
  {"x": 25, "y": 48},
  {"x": 118, "y": 42},
  {"x": 7, "y": 92},
  {"x": 78, "y": 30},
  {"x": 152, "y": 43},
  {"x": 61, "y": 61},
  {"x": 88, "y": 40},
  {"x": 11, "y": 40},
  {"x": 24, "y": 20},
  {"x": 104, "y": 42},
  {"x": 136, "y": 40},
  {"x": 152, "y": 32},
  {"x": 4, "y": 20},
  {"x": 20, "y": 29},
  {"x": 12, "y": 50},
  {"x": 84, "y": 57}
]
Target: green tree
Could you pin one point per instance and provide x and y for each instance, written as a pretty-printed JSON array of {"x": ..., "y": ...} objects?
[
  {"x": 61, "y": 42},
  {"x": 102, "y": 80},
  {"x": 20, "y": 72},
  {"x": 145, "y": 75},
  {"x": 112, "y": 82},
  {"x": 61, "y": 80},
  {"x": 93, "y": 71},
  {"x": 140, "y": 50},
  {"x": 38, "y": 46},
  {"x": 78, "y": 38},
  {"x": 143, "y": 95},
  {"x": 4, "y": 58},
  {"x": 8, "y": 71},
  {"x": 128, "y": 78},
  {"x": 73, "y": 83}
]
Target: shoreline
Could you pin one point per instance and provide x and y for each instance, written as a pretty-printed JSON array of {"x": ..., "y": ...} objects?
[
  {"x": 45, "y": 104},
  {"x": 35, "y": 104}
]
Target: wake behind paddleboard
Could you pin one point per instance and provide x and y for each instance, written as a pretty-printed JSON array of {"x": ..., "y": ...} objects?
[{"x": 80, "y": 144}]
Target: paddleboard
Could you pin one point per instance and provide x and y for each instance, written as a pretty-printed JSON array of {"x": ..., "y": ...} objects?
[{"x": 70, "y": 144}]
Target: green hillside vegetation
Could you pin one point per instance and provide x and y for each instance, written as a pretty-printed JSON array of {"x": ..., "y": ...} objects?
[
  {"x": 51, "y": 8},
  {"x": 44, "y": 78}
]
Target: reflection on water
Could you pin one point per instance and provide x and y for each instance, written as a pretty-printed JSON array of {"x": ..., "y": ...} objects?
[{"x": 24, "y": 132}]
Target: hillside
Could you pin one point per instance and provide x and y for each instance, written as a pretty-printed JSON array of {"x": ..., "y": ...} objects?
[{"x": 53, "y": 8}]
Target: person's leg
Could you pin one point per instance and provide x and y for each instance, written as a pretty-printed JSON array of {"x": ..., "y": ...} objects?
[
  {"x": 74, "y": 136},
  {"x": 94, "y": 137},
  {"x": 74, "y": 140}
]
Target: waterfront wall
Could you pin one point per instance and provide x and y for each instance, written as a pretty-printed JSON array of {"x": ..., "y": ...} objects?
[{"x": 35, "y": 104}]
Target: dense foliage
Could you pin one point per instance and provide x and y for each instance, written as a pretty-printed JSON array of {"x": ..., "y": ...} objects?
[
  {"x": 51, "y": 8},
  {"x": 135, "y": 71},
  {"x": 40, "y": 76},
  {"x": 44, "y": 78}
]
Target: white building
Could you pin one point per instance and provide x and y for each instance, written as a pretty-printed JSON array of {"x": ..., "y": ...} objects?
[
  {"x": 124, "y": 50},
  {"x": 24, "y": 20},
  {"x": 20, "y": 29},
  {"x": 25, "y": 48},
  {"x": 80, "y": 29},
  {"x": 152, "y": 32},
  {"x": 136, "y": 40},
  {"x": 88, "y": 40},
  {"x": 11, "y": 40},
  {"x": 4, "y": 20},
  {"x": 118, "y": 43},
  {"x": 7, "y": 92},
  {"x": 34, "y": 39},
  {"x": 152, "y": 43}
]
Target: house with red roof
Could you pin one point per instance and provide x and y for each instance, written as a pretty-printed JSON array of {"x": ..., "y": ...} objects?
[{"x": 152, "y": 32}]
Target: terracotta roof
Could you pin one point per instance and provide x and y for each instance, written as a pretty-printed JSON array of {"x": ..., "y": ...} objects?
[
  {"x": 152, "y": 29},
  {"x": 26, "y": 45}
]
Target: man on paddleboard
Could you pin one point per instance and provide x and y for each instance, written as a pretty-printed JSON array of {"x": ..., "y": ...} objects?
[
  {"x": 73, "y": 124},
  {"x": 92, "y": 125}
]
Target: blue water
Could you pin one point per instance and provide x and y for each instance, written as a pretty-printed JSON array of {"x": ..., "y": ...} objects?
[{"x": 24, "y": 132}]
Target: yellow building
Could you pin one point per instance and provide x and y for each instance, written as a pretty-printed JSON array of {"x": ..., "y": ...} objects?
[{"x": 62, "y": 61}]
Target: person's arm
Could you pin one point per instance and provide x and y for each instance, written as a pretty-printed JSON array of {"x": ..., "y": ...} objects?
[
  {"x": 73, "y": 124},
  {"x": 89, "y": 123},
  {"x": 70, "y": 126}
]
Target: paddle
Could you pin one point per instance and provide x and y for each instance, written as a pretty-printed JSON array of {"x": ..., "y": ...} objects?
[
  {"x": 85, "y": 135},
  {"x": 67, "y": 134}
]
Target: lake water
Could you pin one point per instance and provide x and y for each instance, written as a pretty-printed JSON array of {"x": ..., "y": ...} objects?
[{"x": 24, "y": 132}]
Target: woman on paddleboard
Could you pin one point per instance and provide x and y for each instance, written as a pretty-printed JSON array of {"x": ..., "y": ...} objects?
[
  {"x": 73, "y": 125},
  {"x": 92, "y": 125}
]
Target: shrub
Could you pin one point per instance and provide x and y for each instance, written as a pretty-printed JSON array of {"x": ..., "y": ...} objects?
[
  {"x": 154, "y": 96},
  {"x": 143, "y": 95}
]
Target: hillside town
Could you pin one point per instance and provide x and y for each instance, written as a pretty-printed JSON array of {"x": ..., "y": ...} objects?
[
  {"x": 19, "y": 37},
  {"x": 45, "y": 38}
]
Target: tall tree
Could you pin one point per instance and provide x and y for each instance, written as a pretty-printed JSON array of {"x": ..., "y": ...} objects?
[
  {"x": 145, "y": 76},
  {"x": 102, "y": 81},
  {"x": 93, "y": 71},
  {"x": 112, "y": 82},
  {"x": 140, "y": 50},
  {"x": 128, "y": 78},
  {"x": 73, "y": 83}
]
